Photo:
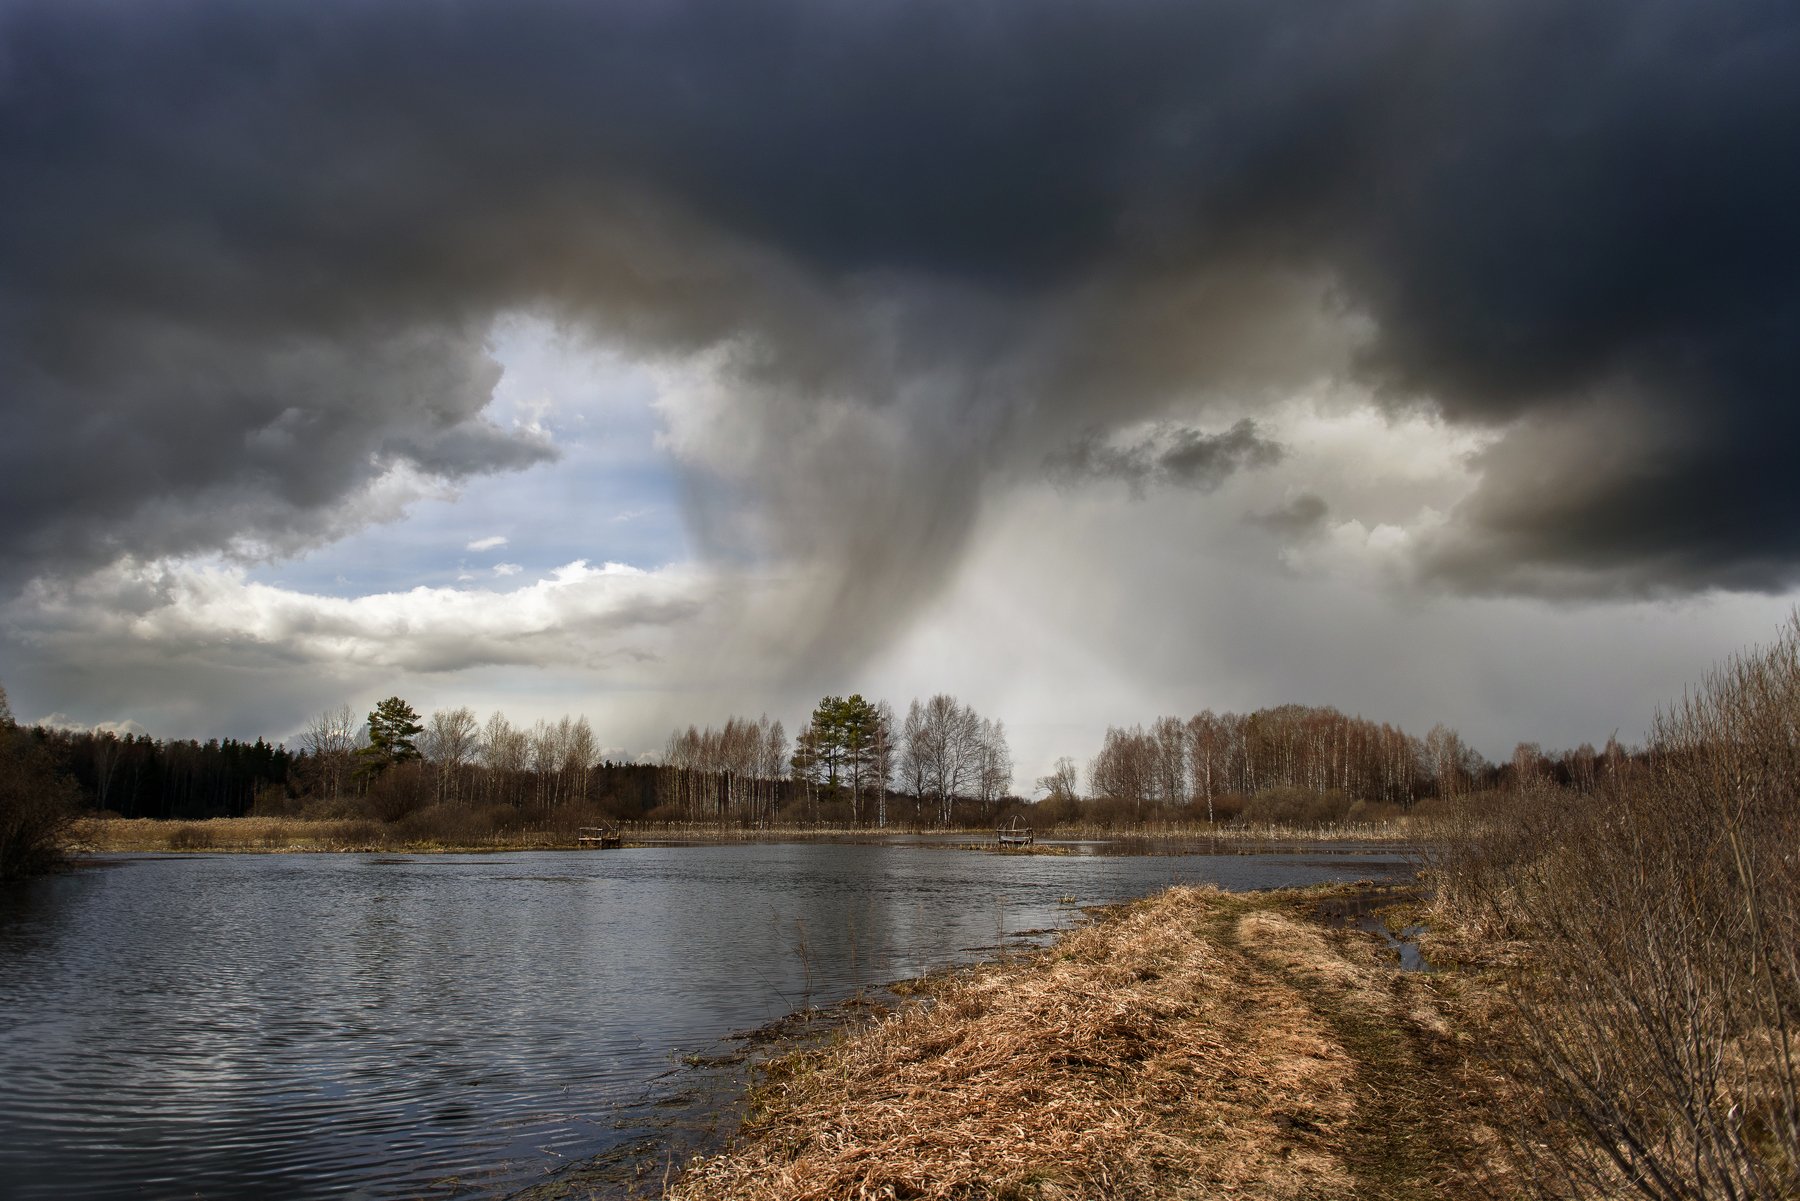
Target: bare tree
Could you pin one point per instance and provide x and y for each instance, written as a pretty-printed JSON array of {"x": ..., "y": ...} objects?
[
  {"x": 947, "y": 752},
  {"x": 581, "y": 751},
  {"x": 331, "y": 739},
  {"x": 994, "y": 769},
  {"x": 449, "y": 744},
  {"x": 881, "y": 757},
  {"x": 106, "y": 763},
  {"x": 1169, "y": 762},
  {"x": 1063, "y": 782},
  {"x": 772, "y": 766},
  {"x": 1446, "y": 757},
  {"x": 1528, "y": 766},
  {"x": 504, "y": 750},
  {"x": 917, "y": 755},
  {"x": 1124, "y": 770},
  {"x": 1209, "y": 740}
]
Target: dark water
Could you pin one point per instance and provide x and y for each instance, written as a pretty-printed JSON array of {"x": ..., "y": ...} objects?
[{"x": 368, "y": 1026}]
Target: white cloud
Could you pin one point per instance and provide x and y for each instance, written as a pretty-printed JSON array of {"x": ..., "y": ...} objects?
[
  {"x": 489, "y": 543},
  {"x": 577, "y": 614},
  {"x": 62, "y": 721},
  {"x": 638, "y": 651},
  {"x": 506, "y": 569}
]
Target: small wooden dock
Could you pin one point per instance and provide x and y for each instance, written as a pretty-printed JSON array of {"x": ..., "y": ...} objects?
[
  {"x": 599, "y": 836},
  {"x": 1014, "y": 833}
]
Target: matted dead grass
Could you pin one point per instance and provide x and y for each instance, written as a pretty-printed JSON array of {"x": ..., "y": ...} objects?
[{"x": 1197, "y": 1044}]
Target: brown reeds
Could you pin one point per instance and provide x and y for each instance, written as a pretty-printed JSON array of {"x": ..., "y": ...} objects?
[
  {"x": 422, "y": 831},
  {"x": 1193, "y": 1045}
]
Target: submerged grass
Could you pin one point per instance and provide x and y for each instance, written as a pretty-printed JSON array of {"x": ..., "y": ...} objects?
[{"x": 1195, "y": 1044}]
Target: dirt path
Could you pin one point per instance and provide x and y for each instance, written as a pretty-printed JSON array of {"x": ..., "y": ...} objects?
[{"x": 1197, "y": 1044}]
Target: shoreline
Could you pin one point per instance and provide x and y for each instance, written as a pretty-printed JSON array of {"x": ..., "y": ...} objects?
[
  {"x": 251, "y": 835},
  {"x": 1190, "y": 1043}
]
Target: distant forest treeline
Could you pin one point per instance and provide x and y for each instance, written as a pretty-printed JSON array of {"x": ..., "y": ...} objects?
[
  {"x": 853, "y": 763},
  {"x": 138, "y": 776}
]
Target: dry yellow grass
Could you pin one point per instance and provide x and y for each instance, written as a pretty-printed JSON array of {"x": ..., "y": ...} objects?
[
  {"x": 279, "y": 834},
  {"x": 1193, "y": 1045}
]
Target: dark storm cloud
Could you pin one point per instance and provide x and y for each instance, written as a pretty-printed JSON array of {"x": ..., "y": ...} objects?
[
  {"x": 1303, "y": 517},
  {"x": 1176, "y": 456},
  {"x": 250, "y": 252}
]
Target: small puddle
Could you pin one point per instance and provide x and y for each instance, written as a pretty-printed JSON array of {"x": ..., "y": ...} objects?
[
  {"x": 1406, "y": 943},
  {"x": 1362, "y": 910}
]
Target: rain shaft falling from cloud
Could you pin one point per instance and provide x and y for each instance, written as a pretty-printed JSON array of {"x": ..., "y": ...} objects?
[{"x": 891, "y": 257}]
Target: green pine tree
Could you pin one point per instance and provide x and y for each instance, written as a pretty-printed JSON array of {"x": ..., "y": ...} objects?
[{"x": 393, "y": 728}]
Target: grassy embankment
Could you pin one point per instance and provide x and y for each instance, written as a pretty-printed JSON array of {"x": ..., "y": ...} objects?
[
  {"x": 1195, "y": 1044},
  {"x": 276, "y": 834}
]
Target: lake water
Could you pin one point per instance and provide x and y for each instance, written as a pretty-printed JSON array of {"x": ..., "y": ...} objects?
[{"x": 375, "y": 1026}]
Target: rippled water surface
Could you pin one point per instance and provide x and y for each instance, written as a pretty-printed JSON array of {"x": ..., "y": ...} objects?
[{"x": 368, "y": 1026}]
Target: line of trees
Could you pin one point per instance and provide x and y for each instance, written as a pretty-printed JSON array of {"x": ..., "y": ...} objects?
[
  {"x": 1303, "y": 763},
  {"x": 397, "y": 761},
  {"x": 853, "y": 762},
  {"x": 138, "y": 776},
  {"x": 1216, "y": 761},
  {"x": 735, "y": 771}
]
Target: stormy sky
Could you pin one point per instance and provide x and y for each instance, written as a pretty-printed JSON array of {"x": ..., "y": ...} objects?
[{"x": 662, "y": 360}]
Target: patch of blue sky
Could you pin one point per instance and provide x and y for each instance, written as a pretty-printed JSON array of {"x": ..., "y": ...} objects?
[{"x": 611, "y": 495}]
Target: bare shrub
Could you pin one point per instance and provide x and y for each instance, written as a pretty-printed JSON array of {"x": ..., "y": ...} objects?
[
  {"x": 273, "y": 800},
  {"x": 36, "y": 807},
  {"x": 1374, "y": 811},
  {"x": 397, "y": 791},
  {"x": 359, "y": 834},
  {"x": 1056, "y": 811},
  {"x": 443, "y": 824},
  {"x": 1110, "y": 813},
  {"x": 1656, "y": 1018},
  {"x": 190, "y": 836},
  {"x": 1295, "y": 807},
  {"x": 1228, "y": 806}
]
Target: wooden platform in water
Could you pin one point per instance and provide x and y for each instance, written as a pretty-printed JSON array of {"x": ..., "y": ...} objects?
[
  {"x": 1014, "y": 834},
  {"x": 600, "y": 837}
]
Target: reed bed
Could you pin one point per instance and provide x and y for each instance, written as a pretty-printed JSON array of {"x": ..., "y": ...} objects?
[
  {"x": 271, "y": 835},
  {"x": 1399, "y": 829},
  {"x": 1193, "y": 1045}
]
